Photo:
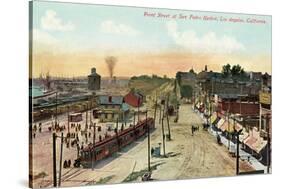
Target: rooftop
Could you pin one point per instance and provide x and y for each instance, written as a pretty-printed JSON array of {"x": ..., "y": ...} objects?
[{"x": 110, "y": 100}]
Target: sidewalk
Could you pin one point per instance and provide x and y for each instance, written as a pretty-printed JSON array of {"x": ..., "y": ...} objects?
[{"x": 243, "y": 155}]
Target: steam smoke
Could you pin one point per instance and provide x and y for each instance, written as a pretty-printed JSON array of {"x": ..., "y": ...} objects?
[{"x": 111, "y": 62}]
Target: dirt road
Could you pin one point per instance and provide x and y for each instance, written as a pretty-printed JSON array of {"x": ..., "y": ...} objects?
[{"x": 187, "y": 157}]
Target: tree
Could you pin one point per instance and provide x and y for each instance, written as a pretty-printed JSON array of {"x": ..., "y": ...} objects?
[
  {"x": 235, "y": 70},
  {"x": 226, "y": 70},
  {"x": 191, "y": 70}
]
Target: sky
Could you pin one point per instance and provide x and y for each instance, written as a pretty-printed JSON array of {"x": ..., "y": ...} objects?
[{"x": 69, "y": 39}]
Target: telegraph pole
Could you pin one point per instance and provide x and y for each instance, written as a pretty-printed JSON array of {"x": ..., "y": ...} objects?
[
  {"x": 167, "y": 114},
  {"x": 237, "y": 148},
  {"x": 90, "y": 113},
  {"x": 138, "y": 109},
  {"x": 86, "y": 128},
  {"x": 68, "y": 132},
  {"x": 94, "y": 147},
  {"x": 163, "y": 133},
  {"x": 135, "y": 125},
  {"x": 155, "y": 109},
  {"x": 56, "y": 117},
  {"x": 237, "y": 154},
  {"x": 228, "y": 130},
  {"x": 61, "y": 151},
  {"x": 148, "y": 141},
  {"x": 117, "y": 134},
  {"x": 160, "y": 114},
  {"x": 268, "y": 144},
  {"x": 54, "y": 161},
  {"x": 228, "y": 124}
]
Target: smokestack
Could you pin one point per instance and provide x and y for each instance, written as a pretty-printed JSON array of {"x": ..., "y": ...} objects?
[{"x": 111, "y": 62}]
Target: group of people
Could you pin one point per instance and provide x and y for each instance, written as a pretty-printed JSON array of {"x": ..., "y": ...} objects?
[
  {"x": 34, "y": 129},
  {"x": 67, "y": 164}
]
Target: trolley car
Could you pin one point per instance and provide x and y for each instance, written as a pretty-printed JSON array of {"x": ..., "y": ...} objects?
[{"x": 112, "y": 144}]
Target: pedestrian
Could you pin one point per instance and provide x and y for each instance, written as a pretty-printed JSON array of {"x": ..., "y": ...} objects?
[
  {"x": 218, "y": 139},
  {"x": 34, "y": 134},
  {"x": 35, "y": 128},
  {"x": 69, "y": 163},
  {"x": 65, "y": 164},
  {"x": 152, "y": 151}
]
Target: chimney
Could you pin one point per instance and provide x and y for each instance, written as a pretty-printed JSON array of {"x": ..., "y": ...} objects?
[{"x": 110, "y": 99}]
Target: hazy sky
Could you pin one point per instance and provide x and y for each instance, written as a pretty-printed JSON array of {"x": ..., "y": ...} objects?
[{"x": 69, "y": 39}]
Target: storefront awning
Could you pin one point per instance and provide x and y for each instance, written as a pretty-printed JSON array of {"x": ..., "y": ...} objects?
[
  {"x": 230, "y": 126},
  {"x": 254, "y": 141},
  {"x": 220, "y": 123},
  {"x": 213, "y": 117},
  {"x": 244, "y": 134}
]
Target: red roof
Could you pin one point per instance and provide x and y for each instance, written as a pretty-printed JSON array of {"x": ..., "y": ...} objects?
[{"x": 133, "y": 99}]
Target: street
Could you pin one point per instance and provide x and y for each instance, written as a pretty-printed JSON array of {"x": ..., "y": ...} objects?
[{"x": 187, "y": 156}]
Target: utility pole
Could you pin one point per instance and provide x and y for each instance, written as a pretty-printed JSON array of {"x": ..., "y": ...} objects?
[
  {"x": 68, "y": 132},
  {"x": 155, "y": 109},
  {"x": 268, "y": 144},
  {"x": 86, "y": 128},
  {"x": 117, "y": 134},
  {"x": 167, "y": 114},
  {"x": 56, "y": 117},
  {"x": 138, "y": 109},
  {"x": 210, "y": 113},
  {"x": 94, "y": 147},
  {"x": 135, "y": 125},
  {"x": 228, "y": 130},
  {"x": 237, "y": 152},
  {"x": 163, "y": 133},
  {"x": 160, "y": 114},
  {"x": 228, "y": 124},
  {"x": 260, "y": 116},
  {"x": 61, "y": 151},
  {"x": 91, "y": 114},
  {"x": 148, "y": 141},
  {"x": 54, "y": 161}
]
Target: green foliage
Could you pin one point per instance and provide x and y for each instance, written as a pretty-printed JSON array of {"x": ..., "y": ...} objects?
[
  {"x": 226, "y": 70},
  {"x": 191, "y": 70},
  {"x": 235, "y": 70},
  {"x": 186, "y": 91}
]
